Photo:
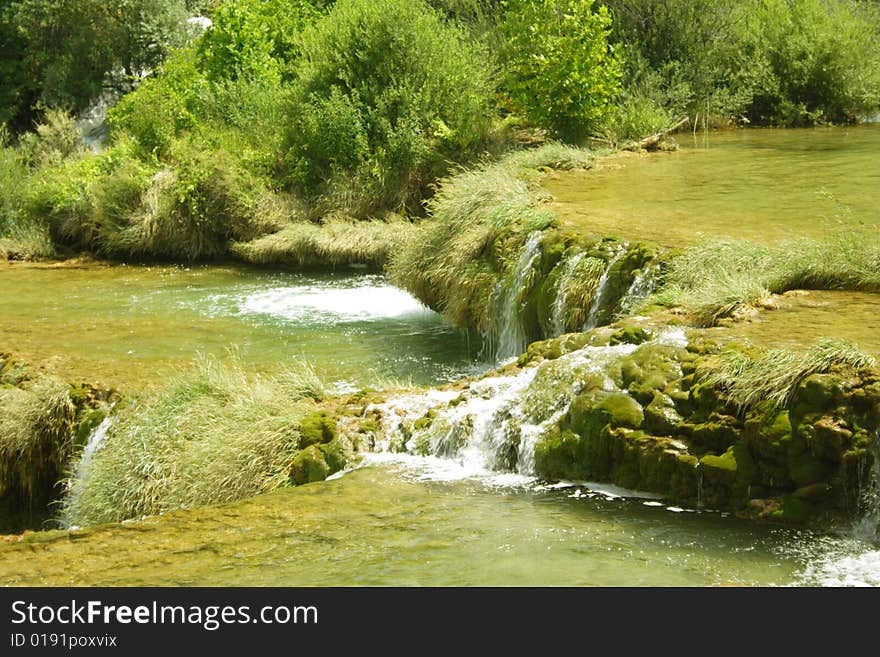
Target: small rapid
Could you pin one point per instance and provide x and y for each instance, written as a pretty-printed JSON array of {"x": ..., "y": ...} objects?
[{"x": 492, "y": 426}]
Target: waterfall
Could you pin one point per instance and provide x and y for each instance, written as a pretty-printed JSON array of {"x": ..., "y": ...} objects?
[
  {"x": 601, "y": 290},
  {"x": 510, "y": 336},
  {"x": 81, "y": 472},
  {"x": 867, "y": 526},
  {"x": 641, "y": 288},
  {"x": 494, "y": 425},
  {"x": 557, "y": 318}
]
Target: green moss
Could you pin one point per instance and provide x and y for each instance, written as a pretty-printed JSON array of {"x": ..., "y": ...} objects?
[
  {"x": 596, "y": 408},
  {"x": 648, "y": 369},
  {"x": 805, "y": 469},
  {"x": 726, "y": 461},
  {"x": 629, "y": 335},
  {"x": 368, "y": 426},
  {"x": 661, "y": 416},
  {"x": 716, "y": 434},
  {"x": 316, "y": 428},
  {"x": 562, "y": 454},
  {"x": 309, "y": 465},
  {"x": 827, "y": 438}
]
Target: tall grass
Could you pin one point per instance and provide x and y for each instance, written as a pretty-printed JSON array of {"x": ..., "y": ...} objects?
[
  {"x": 713, "y": 280},
  {"x": 213, "y": 434},
  {"x": 478, "y": 221},
  {"x": 776, "y": 373},
  {"x": 334, "y": 242},
  {"x": 36, "y": 431}
]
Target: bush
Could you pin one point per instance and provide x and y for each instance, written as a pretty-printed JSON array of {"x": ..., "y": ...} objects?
[
  {"x": 254, "y": 39},
  {"x": 188, "y": 210},
  {"x": 679, "y": 55},
  {"x": 779, "y": 62},
  {"x": 562, "y": 74},
  {"x": 388, "y": 92},
  {"x": 812, "y": 61},
  {"x": 161, "y": 109}
]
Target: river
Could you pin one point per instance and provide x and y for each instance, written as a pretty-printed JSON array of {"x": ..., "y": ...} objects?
[{"x": 406, "y": 520}]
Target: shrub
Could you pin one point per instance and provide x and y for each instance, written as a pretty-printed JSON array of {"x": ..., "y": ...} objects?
[
  {"x": 388, "y": 91},
  {"x": 253, "y": 39},
  {"x": 562, "y": 73},
  {"x": 812, "y": 61},
  {"x": 161, "y": 109}
]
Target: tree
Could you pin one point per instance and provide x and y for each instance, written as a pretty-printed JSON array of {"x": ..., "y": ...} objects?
[
  {"x": 562, "y": 72},
  {"x": 71, "y": 51}
]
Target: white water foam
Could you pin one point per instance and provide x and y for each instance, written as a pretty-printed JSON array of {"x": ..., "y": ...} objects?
[
  {"x": 495, "y": 416},
  {"x": 308, "y": 303}
]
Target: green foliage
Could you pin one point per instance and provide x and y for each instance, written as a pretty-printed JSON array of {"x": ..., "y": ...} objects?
[
  {"x": 213, "y": 434},
  {"x": 71, "y": 51},
  {"x": 560, "y": 70},
  {"x": 36, "y": 425},
  {"x": 388, "y": 91},
  {"x": 254, "y": 39},
  {"x": 161, "y": 108},
  {"x": 679, "y": 54},
  {"x": 812, "y": 61},
  {"x": 780, "y": 62},
  {"x": 715, "y": 279}
]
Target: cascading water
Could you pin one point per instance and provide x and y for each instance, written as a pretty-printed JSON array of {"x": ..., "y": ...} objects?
[
  {"x": 602, "y": 290},
  {"x": 557, "y": 319},
  {"x": 495, "y": 424},
  {"x": 867, "y": 526},
  {"x": 81, "y": 473},
  {"x": 643, "y": 285},
  {"x": 510, "y": 338}
]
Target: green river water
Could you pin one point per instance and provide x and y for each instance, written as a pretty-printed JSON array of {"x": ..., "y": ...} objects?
[
  {"x": 759, "y": 185},
  {"x": 413, "y": 521}
]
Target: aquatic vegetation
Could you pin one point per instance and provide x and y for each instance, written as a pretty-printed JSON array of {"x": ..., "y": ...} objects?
[
  {"x": 715, "y": 279},
  {"x": 333, "y": 242},
  {"x": 776, "y": 373},
  {"x": 478, "y": 221},
  {"x": 43, "y": 420},
  {"x": 213, "y": 434}
]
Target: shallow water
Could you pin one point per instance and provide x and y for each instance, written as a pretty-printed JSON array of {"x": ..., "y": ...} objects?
[
  {"x": 385, "y": 525},
  {"x": 758, "y": 185},
  {"x": 129, "y": 326},
  {"x": 804, "y": 316}
]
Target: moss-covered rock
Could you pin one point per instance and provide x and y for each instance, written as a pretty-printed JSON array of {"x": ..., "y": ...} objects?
[
  {"x": 661, "y": 416},
  {"x": 316, "y": 428},
  {"x": 309, "y": 465}
]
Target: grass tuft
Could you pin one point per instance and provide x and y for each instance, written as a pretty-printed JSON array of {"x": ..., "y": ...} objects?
[
  {"x": 775, "y": 374},
  {"x": 214, "y": 434}
]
